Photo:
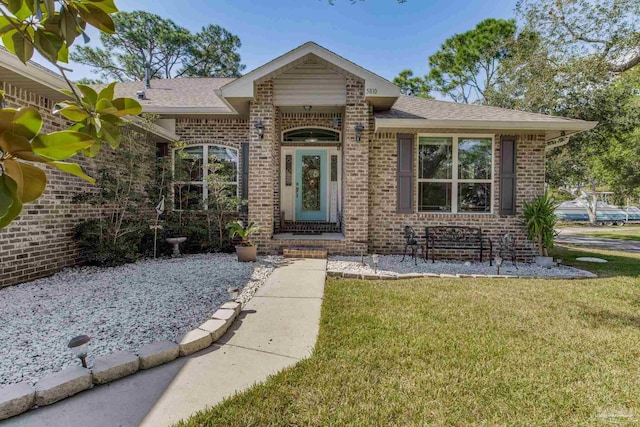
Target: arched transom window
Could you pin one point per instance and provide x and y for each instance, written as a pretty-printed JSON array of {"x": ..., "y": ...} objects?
[
  {"x": 311, "y": 135},
  {"x": 194, "y": 169}
]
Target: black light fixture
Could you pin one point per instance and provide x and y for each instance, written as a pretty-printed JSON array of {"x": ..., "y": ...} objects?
[
  {"x": 78, "y": 346},
  {"x": 336, "y": 121},
  {"x": 359, "y": 129},
  {"x": 307, "y": 107},
  {"x": 260, "y": 128}
]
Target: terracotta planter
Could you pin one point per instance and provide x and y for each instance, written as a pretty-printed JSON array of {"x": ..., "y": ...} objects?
[{"x": 247, "y": 253}]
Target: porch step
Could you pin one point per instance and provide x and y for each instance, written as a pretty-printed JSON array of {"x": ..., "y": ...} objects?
[
  {"x": 305, "y": 252},
  {"x": 304, "y": 227}
]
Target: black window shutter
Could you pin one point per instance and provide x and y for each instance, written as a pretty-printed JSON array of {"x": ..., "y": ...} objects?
[
  {"x": 244, "y": 182},
  {"x": 405, "y": 173},
  {"x": 508, "y": 169}
]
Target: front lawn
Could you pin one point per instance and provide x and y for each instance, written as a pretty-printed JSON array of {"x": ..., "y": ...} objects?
[{"x": 463, "y": 352}]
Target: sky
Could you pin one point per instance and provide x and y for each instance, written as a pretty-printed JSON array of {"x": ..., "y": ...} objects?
[{"x": 380, "y": 35}]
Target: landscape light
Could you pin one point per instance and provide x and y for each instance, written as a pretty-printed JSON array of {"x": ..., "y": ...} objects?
[
  {"x": 79, "y": 346},
  {"x": 233, "y": 293}
]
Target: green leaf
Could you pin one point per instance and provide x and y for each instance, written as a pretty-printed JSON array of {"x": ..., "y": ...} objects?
[
  {"x": 31, "y": 181},
  {"x": 73, "y": 113},
  {"x": 6, "y": 197},
  {"x": 21, "y": 9},
  {"x": 48, "y": 44},
  {"x": 68, "y": 25},
  {"x": 27, "y": 122},
  {"x": 97, "y": 17},
  {"x": 67, "y": 92},
  {"x": 13, "y": 143},
  {"x": 49, "y": 6},
  {"x": 107, "y": 6},
  {"x": 104, "y": 106},
  {"x": 73, "y": 169},
  {"x": 107, "y": 92},
  {"x": 63, "y": 54},
  {"x": 94, "y": 149},
  {"x": 111, "y": 134},
  {"x": 89, "y": 94},
  {"x": 16, "y": 43},
  {"x": 16, "y": 206},
  {"x": 61, "y": 145},
  {"x": 126, "y": 107},
  {"x": 6, "y": 23}
]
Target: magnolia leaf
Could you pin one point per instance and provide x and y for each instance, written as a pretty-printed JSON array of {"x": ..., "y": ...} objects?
[
  {"x": 27, "y": 122},
  {"x": 89, "y": 94},
  {"x": 12, "y": 143},
  {"x": 15, "y": 207},
  {"x": 6, "y": 197},
  {"x": 126, "y": 107},
  {"x": 94, "y": 149},
  {"x": 107, "y": 92},
  {"x": 68, "y": 25},
  {"x": 73, "y": 169},
  {"x": 6, "y": 118},
  {"x": 73, "y": 113},
  {"x": 50, "y": 7},
  {"x": 108, "y": 6},
  {"x": 67, "y": 92},
  {"x": 31, "y": 181},
  {"x": 21, "y": 9},
  {"x": 16, "y": 43},
  {"x": 104, "y": 106},
  {"x": 63, "y": 54},
  {"x": 97, "y": 17},
  {"x": 6, "y": 23},
  {"x": 111, "y": 134},
  {"x": 48, "y": 44},
  {"x": 61, "y": 145}
]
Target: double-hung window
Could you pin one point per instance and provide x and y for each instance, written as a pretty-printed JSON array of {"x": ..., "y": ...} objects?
[
  {"x": 455, "y": 174},
  {"x": 192, "y": 166}
]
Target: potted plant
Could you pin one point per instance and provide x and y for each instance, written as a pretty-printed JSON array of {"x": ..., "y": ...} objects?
[
  {"x": 540, "y": 221},
  {"x": 246, "y": 250}
]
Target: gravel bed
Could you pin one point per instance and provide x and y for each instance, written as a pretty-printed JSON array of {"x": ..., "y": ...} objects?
[
  {"x": 392, "y": 265},
  {"x": 120, "y": 308}
]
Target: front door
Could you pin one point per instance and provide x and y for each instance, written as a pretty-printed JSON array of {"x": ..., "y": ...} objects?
[{"x": 311, "y": 185}]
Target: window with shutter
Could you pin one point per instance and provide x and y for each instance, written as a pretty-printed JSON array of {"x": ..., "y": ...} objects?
[
  {"x": 405, "y": 173},
  {"x": 508, "y": 169}
]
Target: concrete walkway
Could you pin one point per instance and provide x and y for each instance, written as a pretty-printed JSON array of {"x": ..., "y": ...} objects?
[{"x": 277, "y": 328}]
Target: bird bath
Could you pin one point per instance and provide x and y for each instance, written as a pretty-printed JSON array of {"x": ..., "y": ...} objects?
[{"x": 175, "y": 241}]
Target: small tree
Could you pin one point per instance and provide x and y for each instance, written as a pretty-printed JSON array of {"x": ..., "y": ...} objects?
[
  {"x": 222, "y": 199},
  {"x": 540, "y": 221}
]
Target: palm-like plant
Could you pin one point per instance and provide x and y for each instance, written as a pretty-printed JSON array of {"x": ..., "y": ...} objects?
[
  {"x": 236, "y": 228},
  {"x": 540, "y": 220}
]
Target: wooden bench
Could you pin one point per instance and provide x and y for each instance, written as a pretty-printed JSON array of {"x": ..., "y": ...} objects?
[{"x": 455, "y": 238}]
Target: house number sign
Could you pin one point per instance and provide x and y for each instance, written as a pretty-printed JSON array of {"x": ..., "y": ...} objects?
[{"x": 372, "y": 91}]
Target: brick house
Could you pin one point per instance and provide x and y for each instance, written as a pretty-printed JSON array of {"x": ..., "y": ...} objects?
[{"x": 330, "y": 154}]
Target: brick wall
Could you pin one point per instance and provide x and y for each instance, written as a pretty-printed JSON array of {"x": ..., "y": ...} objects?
[
  {"x": 386, "y": 226},
  {"x": 40, "y": 241}
]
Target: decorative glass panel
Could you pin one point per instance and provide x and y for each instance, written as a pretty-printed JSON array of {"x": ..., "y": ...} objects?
[
  {"x": 474, "y": 197},
  {"x": 226, "y": 161},
  {"x": 188, "y": 196},
  {"x": 334, "y": 168},
  {"x": 189, "y": 164},
  {"x": 435, "y": 159},
  {"x": 474, "y": 158},
  {"x": 288, "y": 172},
  {"x": 311, "y": 176},
  {"x": 434, "y": 196},
  {"x": 311, "y": 135}
]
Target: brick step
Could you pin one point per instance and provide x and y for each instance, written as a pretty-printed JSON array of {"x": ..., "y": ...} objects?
[{"x": 305, "y": 252}]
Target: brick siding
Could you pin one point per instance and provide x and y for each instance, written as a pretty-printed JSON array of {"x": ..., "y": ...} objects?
[{"x": 40, "y": 241}]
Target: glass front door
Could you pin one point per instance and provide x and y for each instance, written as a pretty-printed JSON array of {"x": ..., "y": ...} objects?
[{"x": 311, "y": 185}]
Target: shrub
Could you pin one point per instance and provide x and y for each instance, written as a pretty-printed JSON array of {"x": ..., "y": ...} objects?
[
  {"x": 540, "y": 220},
  {"x": 97, "y": 249}
]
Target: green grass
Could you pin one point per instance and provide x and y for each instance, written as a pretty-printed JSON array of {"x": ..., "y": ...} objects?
[
  {"x": 631, "y": 233},
  {"x": 463, "y": 352}
]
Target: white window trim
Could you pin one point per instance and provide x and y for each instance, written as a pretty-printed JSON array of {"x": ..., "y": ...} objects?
[
  {"x": 455, "y": 137},
  {"x": 205, "y": 161}
]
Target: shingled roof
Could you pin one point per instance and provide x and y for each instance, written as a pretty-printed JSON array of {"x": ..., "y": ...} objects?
[
  {"x": 411, "y": 107},
  {"x": 197, "y": 93}
]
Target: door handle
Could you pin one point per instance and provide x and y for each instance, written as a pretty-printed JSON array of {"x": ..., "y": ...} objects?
[{"x": 297, "y": 190}]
